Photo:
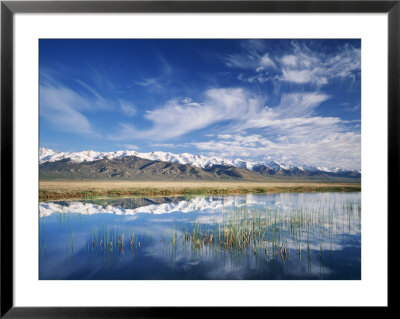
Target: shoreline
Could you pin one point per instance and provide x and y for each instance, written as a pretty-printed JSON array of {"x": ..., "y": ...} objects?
[{"x": 58, "y": 190}]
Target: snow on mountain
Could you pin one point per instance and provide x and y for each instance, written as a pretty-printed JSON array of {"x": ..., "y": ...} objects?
[
  {"x": 185, "y": 206},
  {"x": 333, "y": 170},
  {"x": 49, "y": 155}
]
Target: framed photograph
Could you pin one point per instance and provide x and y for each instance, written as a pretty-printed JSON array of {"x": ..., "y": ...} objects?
[{"x": 160, "y": 155}]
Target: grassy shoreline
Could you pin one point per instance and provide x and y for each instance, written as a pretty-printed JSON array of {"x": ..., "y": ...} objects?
[{"x": 56, "y": 190}]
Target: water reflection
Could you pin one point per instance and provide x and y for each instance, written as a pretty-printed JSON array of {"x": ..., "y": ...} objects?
[{"x": 275, "y": 236}]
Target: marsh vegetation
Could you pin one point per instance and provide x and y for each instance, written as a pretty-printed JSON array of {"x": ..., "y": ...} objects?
[
  {"x": 276, "y": 236},
  {"x": 53, "y": 190}
]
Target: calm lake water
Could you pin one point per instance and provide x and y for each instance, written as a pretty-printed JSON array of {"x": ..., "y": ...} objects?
[{"x": 273, "y": 236}]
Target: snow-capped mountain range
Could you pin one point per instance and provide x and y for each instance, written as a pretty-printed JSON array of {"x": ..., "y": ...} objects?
[{"x": 49, "y": 155}]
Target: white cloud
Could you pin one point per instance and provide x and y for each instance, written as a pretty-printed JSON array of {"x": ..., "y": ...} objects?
[
  {"x": 303, "y": 76},
  {"x": 61, "y": 107},
  {"x": 300, "y": 66},
  {"x": 131, "y": 147},
  {"x": 290, "y": 60},
  {"x": 266, "y": 61},
  {"x": 334, "y": 149},
  {"x": 259, "y": 77},
  {"x": 91, "y": 90},
  {"x": 291, "y": 131},
  {"x": 225, "y": 136},
  {"x": 127, "y": 108},
  {"x": 148, "y": 82},
  {"x": 306, "y": 66},
  {"x": 300, "y": 104},
  {"x": 176, "y": 119},
  {"x": 241, "y": 61},
  {"x": 168, "y": 145},
  {"x": 251, "y": 57},
  {"x": 64, "y": 108},
  {"x": 242, "y": 109}
]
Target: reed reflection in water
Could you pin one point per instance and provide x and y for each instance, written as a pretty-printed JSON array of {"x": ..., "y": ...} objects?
[{"x": 266, "y": 236}]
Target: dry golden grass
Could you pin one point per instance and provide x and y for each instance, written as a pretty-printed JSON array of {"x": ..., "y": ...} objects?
[{"x": 80, "y": 189}]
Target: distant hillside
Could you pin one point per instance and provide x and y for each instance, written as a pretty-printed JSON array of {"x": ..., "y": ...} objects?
[
  {"x": 132, "y": 167},
  {"x": 136, "y": 168},
  {"x": 263, "y": 167}
]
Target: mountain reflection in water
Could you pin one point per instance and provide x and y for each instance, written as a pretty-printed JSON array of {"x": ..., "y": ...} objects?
[{"x": 266, "y": 236}]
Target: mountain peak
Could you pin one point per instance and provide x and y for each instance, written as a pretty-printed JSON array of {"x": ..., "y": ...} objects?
[{"x": 200, "y": 161}]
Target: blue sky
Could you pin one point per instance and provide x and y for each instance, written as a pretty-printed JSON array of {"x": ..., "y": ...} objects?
[{"x": 294, "y": 101}]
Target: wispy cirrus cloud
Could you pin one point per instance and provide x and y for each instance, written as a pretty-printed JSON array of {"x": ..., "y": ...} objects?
[
  {"x": 149, "y": 82},
  {"x": 127, "y": 108},
  {"x": 300, "y": 104},
  {"x": 291, "y": 131},
  {"x": 301, "y": 65},
  {"x": 62, "y": 107},
  {"x": 158, "y": 81},
  {"x": 243, "y": 109},
  {"x": 251, "y": 57},
  {"x": 67, "y": 109},
  {"x": 307, "y": 66},
  {"x": 179, "y": 117}
]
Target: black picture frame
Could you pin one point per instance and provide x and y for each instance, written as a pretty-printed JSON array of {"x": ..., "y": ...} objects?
[{"x": 9, "y": 8}]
